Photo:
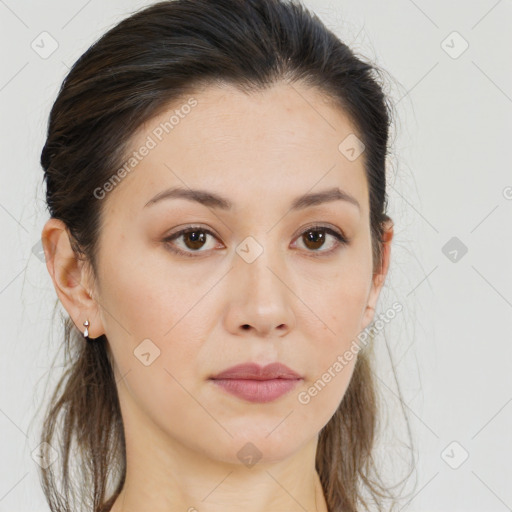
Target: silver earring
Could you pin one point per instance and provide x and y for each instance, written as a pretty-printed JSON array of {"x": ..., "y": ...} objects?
[{"x": 86, "y": 332}]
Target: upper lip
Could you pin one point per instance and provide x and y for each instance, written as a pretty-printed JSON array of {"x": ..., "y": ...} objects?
[{"x": 256, "y": 372}]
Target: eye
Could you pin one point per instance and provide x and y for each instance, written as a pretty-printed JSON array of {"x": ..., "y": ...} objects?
[
  {"x": 315, "y": 237},
  {"x": 194, "y": 238}
]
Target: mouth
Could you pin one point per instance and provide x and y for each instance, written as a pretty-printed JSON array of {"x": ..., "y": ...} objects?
[
  {"x": 257, "y": 391},
  {"x": 257, "y": 384}
]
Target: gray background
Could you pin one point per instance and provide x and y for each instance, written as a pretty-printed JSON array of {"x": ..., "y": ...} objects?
[{"x": 449, "y": 176}]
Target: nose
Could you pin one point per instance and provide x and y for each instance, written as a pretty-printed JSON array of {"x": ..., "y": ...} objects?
[{"x": 261, "y": 297}]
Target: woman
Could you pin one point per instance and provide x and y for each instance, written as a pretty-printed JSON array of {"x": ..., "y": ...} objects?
[{"x": 215, "y": 176}]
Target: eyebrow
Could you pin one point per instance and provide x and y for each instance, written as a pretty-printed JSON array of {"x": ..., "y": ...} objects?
[{"x": 213, "y": 200}]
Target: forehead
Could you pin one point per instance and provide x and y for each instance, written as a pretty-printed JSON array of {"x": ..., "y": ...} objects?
[{"x": 284, "y": 140}]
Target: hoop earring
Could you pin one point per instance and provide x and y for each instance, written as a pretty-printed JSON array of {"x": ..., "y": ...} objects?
[{"x": 86, "y": 332}]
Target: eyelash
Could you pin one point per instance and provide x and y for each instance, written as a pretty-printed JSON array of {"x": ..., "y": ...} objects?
[{"x": 340, "y": 238}]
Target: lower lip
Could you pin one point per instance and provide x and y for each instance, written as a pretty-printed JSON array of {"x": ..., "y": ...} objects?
[{"x": 258, "y": 391}]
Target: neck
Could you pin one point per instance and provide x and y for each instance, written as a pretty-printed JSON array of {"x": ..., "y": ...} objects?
[{"x": 181, "y": 480}]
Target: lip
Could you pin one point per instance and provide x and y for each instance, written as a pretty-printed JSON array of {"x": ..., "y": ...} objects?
[
  {"x": 256, "y": 372},
  {"x": 258, "y": 384}
]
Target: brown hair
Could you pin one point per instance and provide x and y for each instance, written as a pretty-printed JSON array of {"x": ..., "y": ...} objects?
[{"x": 127, "y": 77}]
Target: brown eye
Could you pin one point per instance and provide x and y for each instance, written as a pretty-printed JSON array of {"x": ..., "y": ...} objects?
[
  {"x": 314, "y": 238},
  {"x": 193, "y": 241}
]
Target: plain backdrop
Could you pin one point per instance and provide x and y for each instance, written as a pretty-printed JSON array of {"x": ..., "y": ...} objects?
[{"x": 448, "y": 71}]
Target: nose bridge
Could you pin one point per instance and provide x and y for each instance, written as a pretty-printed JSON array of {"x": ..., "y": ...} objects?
[
  {"x": 261, "y": 297},
  {"x": 261, "y": 259}
]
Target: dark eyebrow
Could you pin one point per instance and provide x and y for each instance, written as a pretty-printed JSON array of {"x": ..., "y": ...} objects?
[
  {"x": 213, "y": 200},
  {"x": 331, "y": 194}
]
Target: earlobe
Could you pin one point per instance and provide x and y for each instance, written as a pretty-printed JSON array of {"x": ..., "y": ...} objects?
[{"x": 69, "y": 277}]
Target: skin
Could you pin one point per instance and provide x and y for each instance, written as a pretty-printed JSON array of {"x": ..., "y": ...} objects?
[{"x": 260, "y": 151}]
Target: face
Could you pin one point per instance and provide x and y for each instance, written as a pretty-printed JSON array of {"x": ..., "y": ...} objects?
[{"x": 251, "y": 281}]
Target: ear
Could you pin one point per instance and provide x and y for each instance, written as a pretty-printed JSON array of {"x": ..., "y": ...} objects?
[
  {"x": 71, "y": 277},
  {"x": 379, "y": 277}
]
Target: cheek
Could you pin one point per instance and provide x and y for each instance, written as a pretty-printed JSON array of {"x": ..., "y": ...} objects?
[
  {"x": 144, "y": 296},
  {"x": 336, "y": 302},
  {"x": 332, "y": 358},
  {"x": 333, "y": 326},
  {"x": 156, "y": 332},
  {"x": 155, "y": 329}
]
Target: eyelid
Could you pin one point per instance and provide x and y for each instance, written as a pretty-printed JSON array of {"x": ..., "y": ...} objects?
[
  {"x": 327, "y": 227},
  {"x": 189, "y": 228}
]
